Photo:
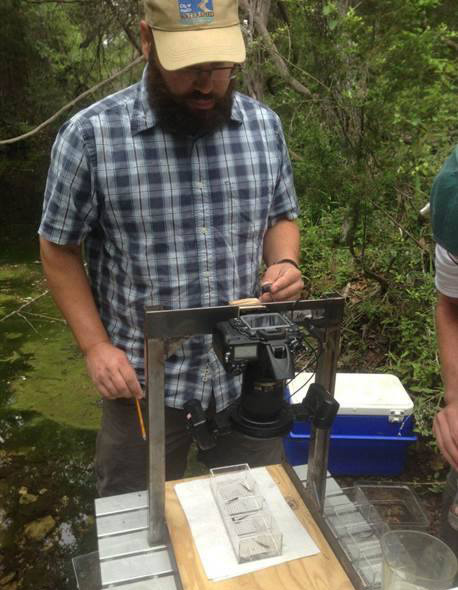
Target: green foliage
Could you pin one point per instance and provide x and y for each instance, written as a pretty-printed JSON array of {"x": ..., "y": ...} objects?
[
  {"x": 50, "y": 52},
  {"x": 381, "y": 120}
]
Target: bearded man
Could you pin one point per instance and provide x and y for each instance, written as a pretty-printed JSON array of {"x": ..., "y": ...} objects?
[{"x": 178, "y": 187}]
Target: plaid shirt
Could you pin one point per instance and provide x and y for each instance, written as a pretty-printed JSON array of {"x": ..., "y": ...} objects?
[{"x": 172, "y": 221}]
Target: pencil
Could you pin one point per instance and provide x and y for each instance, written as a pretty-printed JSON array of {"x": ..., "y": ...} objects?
[{"x": 140, "y": 419}]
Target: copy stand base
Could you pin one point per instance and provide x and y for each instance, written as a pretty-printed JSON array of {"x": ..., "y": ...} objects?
[{"x": 125, "y": 560}]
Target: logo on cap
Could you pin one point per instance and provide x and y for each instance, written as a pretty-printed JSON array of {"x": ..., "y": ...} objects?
[{"x": 196, "y": 12}]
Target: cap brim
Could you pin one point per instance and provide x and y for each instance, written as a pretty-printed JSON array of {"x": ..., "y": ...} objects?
[{"x": 181, "y": 49}]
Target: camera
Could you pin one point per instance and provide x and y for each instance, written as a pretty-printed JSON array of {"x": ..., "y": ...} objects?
[
  {"x": 241, "y": 341},
  {"x": 261, "y": 347}
]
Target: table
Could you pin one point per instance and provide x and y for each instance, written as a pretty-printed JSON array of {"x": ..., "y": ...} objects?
[{"x": 317, "y": 572}]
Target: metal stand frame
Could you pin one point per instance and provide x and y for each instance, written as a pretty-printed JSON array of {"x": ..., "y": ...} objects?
[{"x": 164, "y": 328}]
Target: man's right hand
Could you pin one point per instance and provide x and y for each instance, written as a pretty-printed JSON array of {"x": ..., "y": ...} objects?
[
  {"x": 445, "y": 428},
  {"x": 111, "y": 372}
]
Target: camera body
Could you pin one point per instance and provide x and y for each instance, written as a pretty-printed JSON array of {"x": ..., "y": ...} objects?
[
  {"x": 261, "y": 346},
  {"x": 240, "y": 342}
]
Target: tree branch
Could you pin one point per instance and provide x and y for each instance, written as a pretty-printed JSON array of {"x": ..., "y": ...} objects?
[
  {"x": 19, "y": 309},
  {"x": 274, "y": 53},
  {"x": 72, "y": 103},
  {"x": 397, "y": 224},
  {"x": 132, "y": 38}
]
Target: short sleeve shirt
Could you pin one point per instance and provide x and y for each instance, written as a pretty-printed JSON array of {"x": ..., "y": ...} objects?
[
  {"x": 170, "y": 221},
  {"x": 446, "y": 277}
]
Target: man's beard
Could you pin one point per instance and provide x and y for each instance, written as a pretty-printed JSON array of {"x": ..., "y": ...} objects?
[{"x": 174, "y": 116}]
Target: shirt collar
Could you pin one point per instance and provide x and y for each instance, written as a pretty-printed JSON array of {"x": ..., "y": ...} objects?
[{"x": 143, "y": 117}]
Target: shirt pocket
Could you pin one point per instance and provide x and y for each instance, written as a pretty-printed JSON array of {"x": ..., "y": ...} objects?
[
  {"x": 247, "y": 203},
  {"x": 245, "y": 212}
]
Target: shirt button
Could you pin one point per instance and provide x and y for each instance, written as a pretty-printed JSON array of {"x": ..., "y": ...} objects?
[
  {"x": 199, "y": 185},
  {"x": 204, "y": 231}
]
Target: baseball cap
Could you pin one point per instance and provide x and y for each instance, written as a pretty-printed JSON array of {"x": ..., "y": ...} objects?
[
  {"x": 444, "y": 204},
  {"x": 193, "y": 32}
]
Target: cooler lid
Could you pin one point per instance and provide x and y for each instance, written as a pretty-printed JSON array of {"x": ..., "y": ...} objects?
[{"x": 361, "y": 393}]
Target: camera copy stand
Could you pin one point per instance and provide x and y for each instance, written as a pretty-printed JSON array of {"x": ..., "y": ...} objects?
[
  {"x": 165, "y": 329},
  {"x": 134, "y": 514}
]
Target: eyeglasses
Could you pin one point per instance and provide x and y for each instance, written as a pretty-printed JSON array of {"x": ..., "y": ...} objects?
[{"x": 219, "y": 74}]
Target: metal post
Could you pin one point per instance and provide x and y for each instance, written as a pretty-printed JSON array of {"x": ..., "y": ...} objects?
[
  {"x": 155, "y": 357},
  {"x": 319, "y": 439}
]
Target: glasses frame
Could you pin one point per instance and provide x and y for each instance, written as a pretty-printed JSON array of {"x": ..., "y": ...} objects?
[{"x": 193, "y": 74}]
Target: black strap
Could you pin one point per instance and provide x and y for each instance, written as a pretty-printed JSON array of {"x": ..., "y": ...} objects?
[{"x": 289, "y": 260}]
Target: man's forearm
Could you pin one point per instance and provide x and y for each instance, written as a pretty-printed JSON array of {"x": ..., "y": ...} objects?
[
  {"x": 282, "y": 240},
  {"x": 283, "y": 279},
  {"x": 447, "y": 331},
  {"x": 67, "y": 280}
]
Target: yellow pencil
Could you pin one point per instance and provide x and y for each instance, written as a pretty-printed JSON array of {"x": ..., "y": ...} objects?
[{"x": 140, "y": 419}]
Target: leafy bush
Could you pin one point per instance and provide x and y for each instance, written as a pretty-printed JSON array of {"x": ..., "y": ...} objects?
[{"x": 366, "y": 146}]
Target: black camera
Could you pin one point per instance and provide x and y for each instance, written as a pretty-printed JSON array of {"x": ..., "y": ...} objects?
[
  {"x": 261, "y": 346},
  {"x": 239, "y": 342}
]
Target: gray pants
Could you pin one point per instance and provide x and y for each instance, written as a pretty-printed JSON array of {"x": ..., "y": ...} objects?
[
  {"x": 447, "y": 533},
  {"x": 121, "y": 453}
]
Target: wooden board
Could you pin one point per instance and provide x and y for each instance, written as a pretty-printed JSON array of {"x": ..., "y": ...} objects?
[{"x": 317, "y": 572}]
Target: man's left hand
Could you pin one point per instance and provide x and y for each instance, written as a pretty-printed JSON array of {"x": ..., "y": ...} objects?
[{"x": 285, "y": 282}]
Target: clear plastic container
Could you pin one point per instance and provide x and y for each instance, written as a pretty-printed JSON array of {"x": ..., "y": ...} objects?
[
  {"x": 357, "y": 527},
  {"x": 360, "y": 516},
  {"x": 251, "y": 528},
  {"x": 87, "y": 571},
  {"x": 398, "y": 506},
  {"x": 415, "y": 560}
]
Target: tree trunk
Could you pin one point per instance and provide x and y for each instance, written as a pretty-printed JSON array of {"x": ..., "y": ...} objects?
[{"x": 252, "y": 75}]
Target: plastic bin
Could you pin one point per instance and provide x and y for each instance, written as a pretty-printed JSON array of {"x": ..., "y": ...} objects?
[
  {"x": 249, "y": 523},
  {"x": 397, "y": 505},
  {"x": 372, "y": 430}
]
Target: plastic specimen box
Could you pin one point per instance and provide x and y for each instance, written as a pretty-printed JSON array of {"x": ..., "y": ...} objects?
[
  {"x": 360, "y": 515},
  {"x": 250, "y": 526},
  {"x": 357, "y": 527},
  {"x": 398, "y": 506}
]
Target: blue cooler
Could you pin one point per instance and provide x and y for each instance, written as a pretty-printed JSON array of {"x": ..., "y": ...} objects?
[{"x": 371, "y": 432}]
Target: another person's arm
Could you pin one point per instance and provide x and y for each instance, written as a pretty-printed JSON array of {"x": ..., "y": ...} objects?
[
  {"x": 107, "y": 365},
  {"x": 282, "y": 241},
  {"x": 445, "y": 425}
]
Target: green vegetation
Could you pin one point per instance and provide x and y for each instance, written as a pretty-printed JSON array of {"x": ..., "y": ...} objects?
[
  {"x": 41, "y": 369},
  {"x": 366, "y": 144}
]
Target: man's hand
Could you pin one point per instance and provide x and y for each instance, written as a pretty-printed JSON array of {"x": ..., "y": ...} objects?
[
  {"x": 111, "y": 372},
  {"x": 285, "y": 283},
  {"x": 445, "y": 428}
]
